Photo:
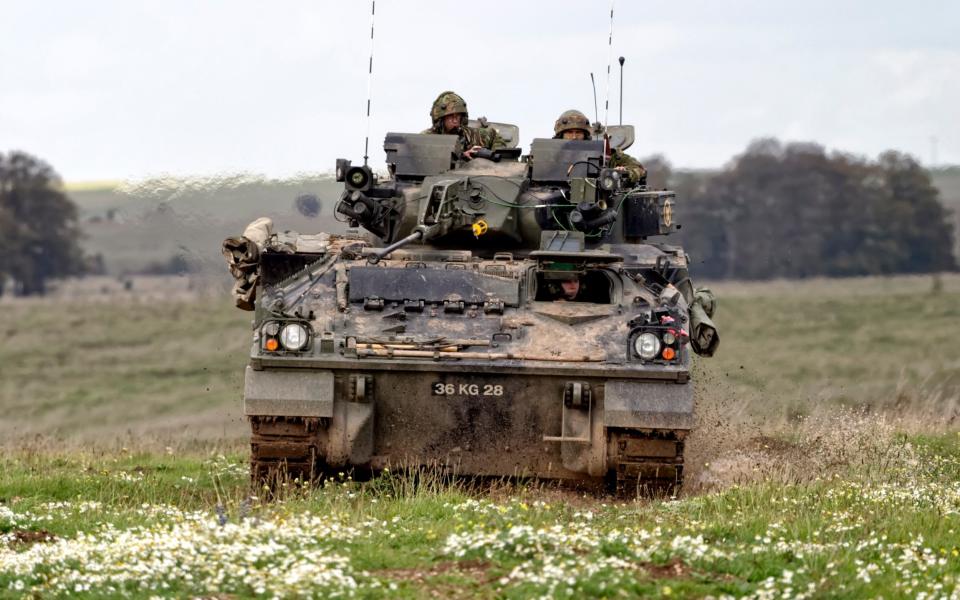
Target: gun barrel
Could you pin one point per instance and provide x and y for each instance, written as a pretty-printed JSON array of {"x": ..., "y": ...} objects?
[{"x": 375, "y": 256}]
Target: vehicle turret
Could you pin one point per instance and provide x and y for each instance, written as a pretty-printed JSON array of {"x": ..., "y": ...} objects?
[{"x": 505, "y": 315}]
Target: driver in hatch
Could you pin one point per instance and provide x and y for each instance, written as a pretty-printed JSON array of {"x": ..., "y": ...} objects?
[
  {"x": 569, "y": 289},
  {"x": 449, "y": 116}
]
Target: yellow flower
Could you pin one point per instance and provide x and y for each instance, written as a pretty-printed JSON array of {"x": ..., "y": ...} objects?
[{"x": 665, "y": 590}]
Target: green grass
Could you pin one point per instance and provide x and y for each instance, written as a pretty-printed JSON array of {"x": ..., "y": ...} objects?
[
  {"x": 885, "y": 343},
  {"x": 122, "y": 454},
  {"x": 82, "y": 370},
  {"x": 115, "y": 521}
]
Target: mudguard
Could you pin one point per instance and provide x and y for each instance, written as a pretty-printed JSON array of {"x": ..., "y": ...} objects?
[
  {"x": 288, "y": 393},
  {"x": 648, "y": 405}
]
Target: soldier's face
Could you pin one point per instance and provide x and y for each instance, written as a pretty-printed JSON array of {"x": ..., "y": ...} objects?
[
  {"x": 570, "y": 288},
  {"x": 451, "y": 122},
  {"x": 574, "y": 134}
]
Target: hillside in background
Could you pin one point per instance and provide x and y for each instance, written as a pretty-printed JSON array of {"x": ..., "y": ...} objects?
[
  {"x": 139, "y": 225},
  {"x": 147, "y": 225}
]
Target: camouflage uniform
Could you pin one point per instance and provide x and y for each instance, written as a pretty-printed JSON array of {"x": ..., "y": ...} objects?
[
  {"x": 450, "y": 103},
  {"x": 619, "y": 158},
  {"x": 574, "y": 119}
]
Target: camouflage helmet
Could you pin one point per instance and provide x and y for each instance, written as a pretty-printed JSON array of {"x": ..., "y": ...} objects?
[
  {"x": 448, "y": 103},
  {"x": 571, "y": 119}
]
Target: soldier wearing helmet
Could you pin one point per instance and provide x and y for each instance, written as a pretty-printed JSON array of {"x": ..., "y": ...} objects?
[
  {"x": 574, "y": 125},
  {"x": 566, "y": 287},
  {"x": 449, "y": 116}
]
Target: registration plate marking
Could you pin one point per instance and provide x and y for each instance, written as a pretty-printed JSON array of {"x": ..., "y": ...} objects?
[{"x": 441, "y": 388}]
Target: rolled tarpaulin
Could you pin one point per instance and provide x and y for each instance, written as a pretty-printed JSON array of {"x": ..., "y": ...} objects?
[
  {"x": 259, "y": 231},
  {"x": 243, "y": 260},
  {"x": 704, "y": 337}
]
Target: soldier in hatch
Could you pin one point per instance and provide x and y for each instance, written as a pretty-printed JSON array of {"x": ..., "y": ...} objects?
[
  {"x": 569, "y": 288},
  {"x": 449, "y": 116},
  {"x": 574, "y": 125}
]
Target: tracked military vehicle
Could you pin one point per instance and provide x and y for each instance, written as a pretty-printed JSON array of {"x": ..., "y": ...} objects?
[{"x": 446, "y": 329}]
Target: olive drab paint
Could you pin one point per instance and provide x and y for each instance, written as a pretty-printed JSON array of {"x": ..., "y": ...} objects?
[{"x": 494, "y": 314}]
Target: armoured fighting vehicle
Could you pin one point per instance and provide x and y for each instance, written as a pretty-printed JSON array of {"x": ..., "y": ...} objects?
[{"x": 508, "y": 316}]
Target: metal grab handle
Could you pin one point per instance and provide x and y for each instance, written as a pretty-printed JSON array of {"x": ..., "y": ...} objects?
[{"x": 375, "y": 256}]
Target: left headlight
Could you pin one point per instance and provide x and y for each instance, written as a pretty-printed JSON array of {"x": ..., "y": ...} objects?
[
  {"x": 647, "y": 345},
  {"x": 294, "y": 336}
]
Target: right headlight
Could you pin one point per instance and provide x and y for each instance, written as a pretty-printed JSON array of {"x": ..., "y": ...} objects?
[
  {"x": 294, "y": 336},
  {"x": 647, "y": 345}
]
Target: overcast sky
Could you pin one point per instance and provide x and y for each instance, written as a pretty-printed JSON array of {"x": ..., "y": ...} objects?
[{"x": 125, "y": 89}]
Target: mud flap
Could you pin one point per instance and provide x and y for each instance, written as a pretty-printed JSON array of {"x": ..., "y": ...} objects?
[
  {"x": 350, "y": 435},
  {"x": 590, "y": 457},
  {"x": 648, "y": 405},
  {"x": 582, "y": 442},
  {"x": 288, "y": 393}
]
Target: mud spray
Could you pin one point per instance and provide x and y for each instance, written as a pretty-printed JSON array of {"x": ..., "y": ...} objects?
[{"x": 731, "y": 446}]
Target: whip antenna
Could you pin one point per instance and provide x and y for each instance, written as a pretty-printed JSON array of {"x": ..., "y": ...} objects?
[
  {"x": 622, "y": 60},
  {"x": 366, "y": 141},
  {"x": 596, "y": 111},
  {"x": 606, "y": 108}
]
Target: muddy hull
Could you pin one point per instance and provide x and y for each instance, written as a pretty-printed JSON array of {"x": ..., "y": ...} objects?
[{"x": 590, "y": 427}]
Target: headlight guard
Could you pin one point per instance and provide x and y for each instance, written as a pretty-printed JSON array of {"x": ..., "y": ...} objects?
[
  {"x": 279, "y": 337},
  {"x": 662, "y": 344}
]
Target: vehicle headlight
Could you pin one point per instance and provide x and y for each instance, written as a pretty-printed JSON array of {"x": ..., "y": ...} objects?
[
  {"x": 293, "y": 336},
  {"x": 647, "y": 346}
]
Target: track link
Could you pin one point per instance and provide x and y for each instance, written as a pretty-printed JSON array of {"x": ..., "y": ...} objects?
[
  {"x": 646, "y": 463},
  {"x": 284, "y": 447},
  {"x": 649, "y": 463}
]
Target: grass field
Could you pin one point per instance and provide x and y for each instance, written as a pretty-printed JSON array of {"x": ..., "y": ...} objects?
[
  {"x": 164, "y": 365},
  {"x": 826, "y": 463},
  {"x": 126, "y": 366},
  {"x": 881, "y": 522}
]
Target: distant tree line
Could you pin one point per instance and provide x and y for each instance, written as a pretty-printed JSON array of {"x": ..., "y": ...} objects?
[
  {"x": 777, "y": 210},
  {"x": 39, "y": 235},
  {"x": 792, "y": 210}
]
